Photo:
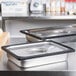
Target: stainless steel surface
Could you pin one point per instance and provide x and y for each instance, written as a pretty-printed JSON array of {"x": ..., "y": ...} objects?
[
  {"x": 11, "y": 16},
  {"x": 49, "y": 67},
  {"x": 35, "y": 62},
  {"x": 64, "y": 39},
  {"x": 26, "y": 50},
  {"x": 32, "y": 39},
  {"x": 53, "y": 31},
  {"x": 5, "y": 65},
  {"x": 71, "y": 44},
  {"x": 61, "y": 39}
]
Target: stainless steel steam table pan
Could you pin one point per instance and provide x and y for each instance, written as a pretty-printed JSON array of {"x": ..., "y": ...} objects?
[
  {"x": 38, "y": 53},
  {"x": 59, "y": 34}
]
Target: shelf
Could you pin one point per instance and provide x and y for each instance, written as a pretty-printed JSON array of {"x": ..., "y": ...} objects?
[
  {"x": 54, "y": 17},
  {"x": 41, "y": 17}
]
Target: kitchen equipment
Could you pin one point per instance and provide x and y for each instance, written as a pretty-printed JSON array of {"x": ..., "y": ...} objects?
[
  {"x": 36, "y": 54},
  {"x": 59, "y": 34},
  {"x": 15, "y": 7},
  {"x": 36, "y": 7}
]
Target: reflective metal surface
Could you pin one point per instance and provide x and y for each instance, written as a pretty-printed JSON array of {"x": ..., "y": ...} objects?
[
  {"x": 61, "y": 66},
  {"x": 40, "y": 48},
  {"x": 38, "y": 61},
  {"x": 53, "y": 31}
]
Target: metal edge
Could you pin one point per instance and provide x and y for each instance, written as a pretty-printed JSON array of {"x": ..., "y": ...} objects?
[
  {"x": 60, "y": 36},
  {"x": 66, "y": 46}
]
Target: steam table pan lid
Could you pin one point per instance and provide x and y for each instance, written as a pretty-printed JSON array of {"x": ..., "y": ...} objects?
[
  {"x": 50, "y": 32},
  {"x": 26, "y": 51}
]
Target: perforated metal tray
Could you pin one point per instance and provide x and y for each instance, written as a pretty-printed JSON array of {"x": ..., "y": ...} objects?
[{"x": 39, "y": 53}]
